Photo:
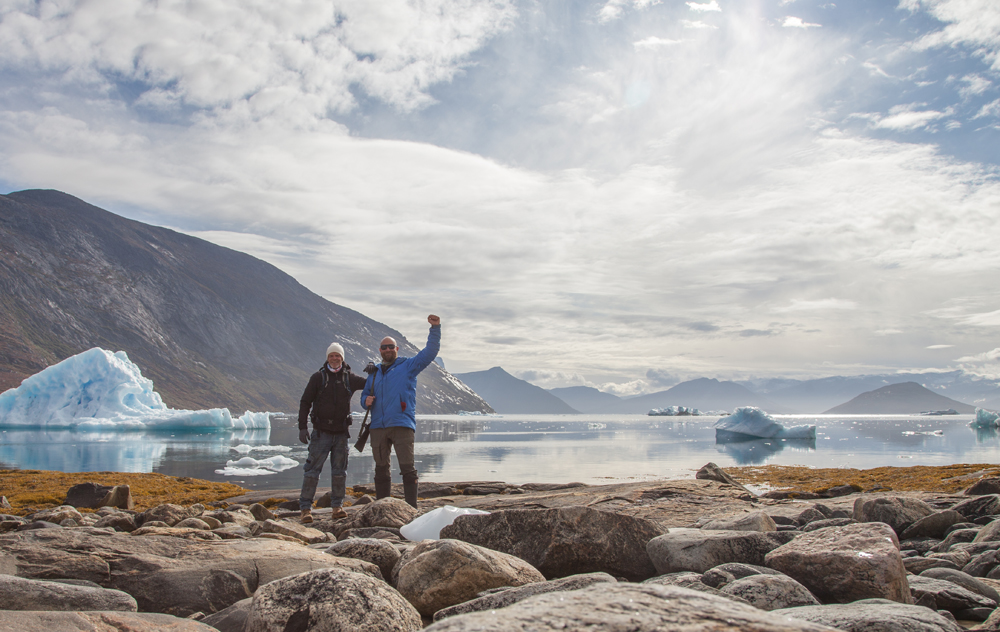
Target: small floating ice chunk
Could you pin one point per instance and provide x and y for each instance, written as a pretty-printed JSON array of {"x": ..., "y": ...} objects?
[
  {"x": 754, "y": 422},
  {"x": 101, "y": 390},
  {"x": 429, "y": 525},
  {"x": 986, "y": 419}
]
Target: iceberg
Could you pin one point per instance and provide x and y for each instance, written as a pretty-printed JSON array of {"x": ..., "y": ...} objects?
[
  {"x": 750, "y": 421},
  {"x": 101, "y": 390},
  {"x": 985, "y": 419},
  {"x": 684, "y": 411}
]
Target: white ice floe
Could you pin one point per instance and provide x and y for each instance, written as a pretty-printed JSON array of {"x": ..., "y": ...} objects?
[
  {"x": 249, "y": 466},
  {"x": 98, "y": 389},
  {"x": 683, "y": 411},
  {"x": 247, "y": 449},
  {"x": 429, "y": 525},
  {"x": 986, "y": 419},
  {"x": 754, "y": 422}
]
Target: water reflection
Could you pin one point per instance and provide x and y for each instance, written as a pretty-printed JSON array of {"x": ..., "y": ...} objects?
[{"x": 748, "y": 451}]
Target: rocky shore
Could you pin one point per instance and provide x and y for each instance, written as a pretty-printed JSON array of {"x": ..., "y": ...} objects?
[{"x": 703, "y": 554}]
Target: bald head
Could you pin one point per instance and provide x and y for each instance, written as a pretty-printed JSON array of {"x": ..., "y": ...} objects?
[{"x": 388, "y": 350}]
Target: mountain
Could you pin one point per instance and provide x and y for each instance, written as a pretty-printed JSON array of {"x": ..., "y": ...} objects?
[
  {"x": 702, "y": 393},
  {"x": 212, "y": 327},
  {"x": 812, "y": 396},
  {"x": 507, "y": 394},
  {"x": 585, "y": 399},
  {"x": 905, "y": 398}
]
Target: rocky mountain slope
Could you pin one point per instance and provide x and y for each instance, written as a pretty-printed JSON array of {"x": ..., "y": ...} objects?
[
  {"x": 212, "y": 327},
  {"x": 905, "y": 398}
]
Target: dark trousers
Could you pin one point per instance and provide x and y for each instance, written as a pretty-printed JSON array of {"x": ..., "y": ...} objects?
[
  {"x": 322, "y": 444},
  {"x": 384, "y": 440}
]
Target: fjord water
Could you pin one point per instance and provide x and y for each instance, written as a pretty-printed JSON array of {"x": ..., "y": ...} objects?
[{"x": 514, "y": 448}]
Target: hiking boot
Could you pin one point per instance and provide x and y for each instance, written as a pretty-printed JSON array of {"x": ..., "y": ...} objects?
[
  {"x": 338, "y": 513},
  {"x": 306, "y": 516}
]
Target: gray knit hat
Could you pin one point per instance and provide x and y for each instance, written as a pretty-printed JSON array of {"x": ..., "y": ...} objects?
[{"x": 335, "y": 347}]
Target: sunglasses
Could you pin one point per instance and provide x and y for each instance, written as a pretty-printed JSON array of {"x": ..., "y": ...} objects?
[{"x": 384, "y": 347}]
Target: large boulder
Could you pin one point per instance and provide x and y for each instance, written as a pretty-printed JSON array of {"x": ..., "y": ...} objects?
[
  {"x": 844, "y": 564},
  {"x": 933, "y": 526},
  {"x": 330, "y": 600},
  {"x": 163, "y": 574},
  {"x": 231, "y": 619},
  {"x": 96, "y": 621},
  {"x": 698, "y": 551},
  {"x": 58, "y": 514},
  {"x": 564, "y": 541},
  {"x": 752, "y": 521},
  {"x": 979, "y": 507},
  {"x": 771, "y": 592},
  {"x": 899, "y": 512},
  {"x": 947, "y": 595},
  {"x": 964, "y": 580},
  {"x": 437, "y": 574},
  {"x": 712, "y": 472},
  {"x": 873, "y": 615},
  {"x": 691, "y": 581},
  {"x": 378, "y": 552},
  {"x": 989, "y": 533},
  {"x": 18, "y": 593},
  {"x": 385, "y": 512},
  {"x": 609, "y": 608},
  {"x": 504, "y": 598},
  {"x": 88, "y": 495}
]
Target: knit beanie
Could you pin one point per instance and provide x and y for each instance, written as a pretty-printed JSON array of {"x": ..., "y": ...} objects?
[{"x": 335, "y": 347}]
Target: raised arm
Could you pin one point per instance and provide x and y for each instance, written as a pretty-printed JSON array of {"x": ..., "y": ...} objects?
[{"x": 429, "y": 352}]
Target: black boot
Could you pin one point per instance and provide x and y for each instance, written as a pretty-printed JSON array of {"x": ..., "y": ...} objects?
[
  {"x": 383, "y": 488},
  {"x": 410, "y": 490}
]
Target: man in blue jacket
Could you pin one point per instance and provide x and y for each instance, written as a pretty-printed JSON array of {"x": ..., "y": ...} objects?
[{"x": 391, "y": 396}]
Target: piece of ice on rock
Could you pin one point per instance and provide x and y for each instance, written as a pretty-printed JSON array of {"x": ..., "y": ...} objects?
[
  {"x": 98, "y": 389},
  {"x": 754, "y": 422},
  {"x": 429, "y": 525}
]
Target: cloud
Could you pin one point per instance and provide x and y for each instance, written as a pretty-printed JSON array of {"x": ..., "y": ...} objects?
[
  {"x": 987, "y": 356},
  {"x": 906, "y": 118},
  {"x": 703, "y": 7},
  {"x": 888, "y": 332},
  {"x": 990, "y": 109},
  {"x": 615, "y": 9},
  {"x": 697, "y": 24},
  {"x": 974, "y": 85},
  {"x": 940, "y": 347},
  {"x": 797, "y": 23},
  {"x": 798, "y": 305},
  {"x": 973, "y": 24},
  {"x": 653, "y": 43}
]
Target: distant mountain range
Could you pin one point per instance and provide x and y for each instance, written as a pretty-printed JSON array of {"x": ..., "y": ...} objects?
[
  {"x": 212, "y": 327},
  {"x": 586, "y": 399},
  {"x": 703, "y": 393},
  {"x": 905, "y": 398},
  {"x": 510, "y": 395}
]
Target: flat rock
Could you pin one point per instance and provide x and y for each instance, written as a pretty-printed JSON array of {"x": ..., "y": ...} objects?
[
  {"x": 964, "y": 580},
  {"x": 33, "y": 621},
  {"x": 712, "y": 472},
  {"x": 844, "y": 564},
  {"x": 437, "y": 574},
  {"x": 697, "y": 550},
  {"x": 947, "y": 595},
  {"x": 618, "y": 607},
  {"x": 378, "y": 552},
  {"x": 752, "y": 521},
  {"x": 565, "y": 541},
  {"x": 295, "y": 530},
  {"x": 771, "y": 592},
  {"x": 329, "y": 600},
  {"x": 933, "y": 526},
  {"x": 18, "y": 593},
  {"x": 979, "y": 506},
  {"x": 504, "y": 598},
  {"x": 167, "y": 512},
  {"x": 899, "y": 512},
  {"x": 885, "y": 616},
  {"x": 692, "y": 581},
  {"x": 917, "y": 565}
]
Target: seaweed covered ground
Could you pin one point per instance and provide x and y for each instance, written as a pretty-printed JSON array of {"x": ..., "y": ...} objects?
[{"x": 28, "y": 491}]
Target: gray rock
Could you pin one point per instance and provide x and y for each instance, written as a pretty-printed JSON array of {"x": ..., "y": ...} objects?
[
  {"x": 505, "y": 597},
  {"x": 619, "y": 607},
  {"x": 771, "y": 592},
  {"x": 295, "y": 530},
  {"x": 948, "y": 595},
  {"x": 964, "y": 580},
  {"x": 385, "y": 512},
  {"x": 118, "y": 521},
  {"x": 739, "y": 571},
  {"x": 917, "y": 565},
  {"x": 712, "y": 472},
  {"x": 328, "y": 600},
  {"x": 899, "y": 512},
  {"x": 810, "y": 514},
  {"x": 120, "y": 497},
  {"x": 717, "y": 578},
  {"x": 753, "y": 521},
  {"x": 958, "y": 536},
  {"x": 231, "y": 619},
  {"x": 4, "y": 503},
  {"x": 692, "y": 581},
  {"x": 979, "y": 506},
  {"x": 58, "y": 514},
  {"x": 933, "y": 526},
  {"x": 982, "y": 564},
  {"x": 989, "y": 532},
  {"x": 564, "y": 541},
  {"x": 920, "y": 546},
  {"x": 827, "y": 522},
  {"x": 260, "y": 512},
  {"x": 18, "y": 593},
  {"x": 233, "y": 531},
  {"x": 844, "y": 564},
  {"x": 697, "y": 550},
  {"x": 88, "y": 495},
  {"x": 881, "y": 616},
  {"x": 378, "y": 552},
  {"x": 983, "y": 486},
  {"x": 167, "y": 513},
  {"x": 437, "y": 574},
  {"x": 110, "y": 621},
  {"x": 193, "y": 523}
]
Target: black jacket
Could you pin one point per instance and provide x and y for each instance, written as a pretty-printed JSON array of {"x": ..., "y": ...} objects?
[{"x": 329, "y": 394}]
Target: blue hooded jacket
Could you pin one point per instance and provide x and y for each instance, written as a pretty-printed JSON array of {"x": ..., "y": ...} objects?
[{"x": 395, "y": 386}]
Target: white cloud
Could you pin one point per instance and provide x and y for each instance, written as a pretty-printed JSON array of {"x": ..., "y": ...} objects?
[
  {"x": 906, "y": 118},
  {"x": 615, "y": 9},
  {"x": 653, "y": 43},
  {"x": 876, "y": 70},
  {"x": 990, "y": 109},
  {"x": 974, "y": 85},
  {"x": 704, "y": 6},
  {"x": 987, "y": 356},
  {"x": 798, "y": 305},
  {"x": 974, "y": 24},
  {"x": 939, "y": 347},
  {"x": 697, "y": 24},
  {"x": 888, "y": 332},
  {"x": 793, "y": 22}
]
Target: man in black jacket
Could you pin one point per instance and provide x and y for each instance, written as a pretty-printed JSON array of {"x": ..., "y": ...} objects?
[{"x": 328, "y": 394}]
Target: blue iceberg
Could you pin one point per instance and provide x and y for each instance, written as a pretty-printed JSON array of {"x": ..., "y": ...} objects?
[
  {"x": 985, "y": 419},
  {"x": 750, "y": 421},
  {"x": 101, "y": 390}
]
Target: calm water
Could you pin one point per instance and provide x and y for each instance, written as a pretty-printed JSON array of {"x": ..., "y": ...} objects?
[{"x": 516, "y": 448}]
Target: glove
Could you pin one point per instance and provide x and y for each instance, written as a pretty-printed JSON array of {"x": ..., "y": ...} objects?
[
  {"x": 371, "y": 368},
  {"x": 304, "y": 435}
]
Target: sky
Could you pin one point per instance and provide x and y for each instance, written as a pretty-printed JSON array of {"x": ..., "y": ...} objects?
[{"x": 621, "y": 194}]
